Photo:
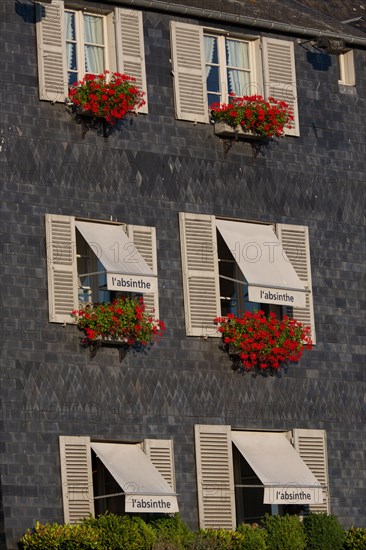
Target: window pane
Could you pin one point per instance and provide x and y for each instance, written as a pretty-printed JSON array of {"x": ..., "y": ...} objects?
[
  {"x": 238, "y": 82},
  {"x": 211, "y": 55},
  {"x": 94, "y": 59},
  {"x": 213, "y": 98},
  {"x": 213, "y": 80},
  {"x": 93, "y": 29},
  {"x": 71, "y": 56},
  {"x": 70, "y": 25},
  {"x": 237, "y": 54}
]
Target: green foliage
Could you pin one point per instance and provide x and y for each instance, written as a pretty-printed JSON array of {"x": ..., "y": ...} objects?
[
  {"x": 323, "y": 532},
  {"x": 355, "y": 539},
  {"x": 217, "y": 539},
  {"x": 284, "y": 532},
  {"x": 255, "y": 538},
  {"x": 122, "y": 532},
  {"x": 171, "y": 533},
  {"x": 61, "y": 537}
]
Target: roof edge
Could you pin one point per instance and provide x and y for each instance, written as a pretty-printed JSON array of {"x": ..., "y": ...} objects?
[{"x": 190, "y": 11}]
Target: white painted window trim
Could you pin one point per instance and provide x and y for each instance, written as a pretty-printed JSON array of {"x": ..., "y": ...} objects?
[{"x": 346, "y": 65}]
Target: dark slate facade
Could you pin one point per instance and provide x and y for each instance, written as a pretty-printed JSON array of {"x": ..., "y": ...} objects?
[{"x": 145, "y": 173}]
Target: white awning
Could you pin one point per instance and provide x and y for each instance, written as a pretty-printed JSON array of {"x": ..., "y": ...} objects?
[
  {"x": 259, "y": 254},
  {"x": 285, "y": 476},
  {"x": 145, "y": 488},
  {"x": 126, "y": 269}
]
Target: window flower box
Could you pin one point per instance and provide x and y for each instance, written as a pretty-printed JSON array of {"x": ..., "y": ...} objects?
[
  {"x": 123, "y": 324},
  {"x": 105, "y": 97},
  {"x": 261, "y": 344},
  {"x": 253, "y": 114},
  {"x": 224, "y": 130}
]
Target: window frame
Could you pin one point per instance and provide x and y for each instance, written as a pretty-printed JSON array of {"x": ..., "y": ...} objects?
[
  {"x": 223, "y": 67},
  {"x": 80, "y": 42},
  {"x": 346, "y": 69},
  {"x": 76, "y": 458},
  {"x": 124, "y": 47},
  {"x": 215, "y": 470},
  {"x": 200, "y": 269},
  {"x": 272, "y": 60},
  {"x": 62, "y": 268}
]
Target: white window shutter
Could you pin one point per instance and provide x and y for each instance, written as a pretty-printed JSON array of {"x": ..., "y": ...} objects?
[
  {"x": 189, "y": 72},
  {"x": 312, "y": 447},
  {"x": 76, "y": 478},
  {"x": 295, "y": 242},
  {"x": 51, "y": 50},
  {"x": 215, "y": 477},
  {"x": 280, "y": 76},
  {"x": 200, "y": 273},
  {"x": 61, "y": 267},
  {"x": 130, "y": 47},
  {"x": 161, "y": 454},
  {"x": 144, "y": 238}
]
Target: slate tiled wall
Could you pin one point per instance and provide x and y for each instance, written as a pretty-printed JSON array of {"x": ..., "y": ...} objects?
[{"x": 145, "y": 173}]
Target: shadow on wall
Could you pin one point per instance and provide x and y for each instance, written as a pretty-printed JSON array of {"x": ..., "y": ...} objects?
[
  {"x": 319, "y": 61},
  {"x": 26, "y": 12}
]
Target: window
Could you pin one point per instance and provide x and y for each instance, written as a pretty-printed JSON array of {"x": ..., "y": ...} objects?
[
  {"x": 243, "y": 474},
  {"x": 116, "y": 477},
  {"x": 85, "y": 44},
  {"x": 231, "y": 266},
  {"x": 228, "y": 67},
  {"x": 208, "y": 65},
  {"x": 71, "y": 43},
  {"x": 346, "y": 69},
  {"x": 92, "y": 261}
]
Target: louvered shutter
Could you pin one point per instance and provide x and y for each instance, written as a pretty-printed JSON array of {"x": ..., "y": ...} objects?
[
  {"x": 312, "y": 447},
  {"x": 200, "y": 273},
  {"x": 280, "y": 75},
  {"x": 160, "y": 452},
  {"x": 215, "y": 478},
  {"x": 144, "y": 238},
  {"x": 50, "y": 27},
  {"x": 189, "y": 72},
  {"x": 130, "y": 47},
  {"x": 61, "y": 267},
  {"x": 295, "y": 242},
  {"x": 76, "y": 478}
]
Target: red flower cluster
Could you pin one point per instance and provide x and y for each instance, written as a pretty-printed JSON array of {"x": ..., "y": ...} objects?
[
  {"x": 125, "y": 320},
  {"x": 254, "y": 114},
  {"x": 264, "y": 342},
  {"x": 110, "y": 97}
]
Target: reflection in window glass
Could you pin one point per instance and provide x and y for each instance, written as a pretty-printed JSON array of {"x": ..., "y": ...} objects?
[
  {"x": 212, "y": 69},
  {"x": 71, "y": 55}
]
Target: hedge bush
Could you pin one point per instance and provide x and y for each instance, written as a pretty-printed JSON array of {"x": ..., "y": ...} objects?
[
  {"x": 255, "y": 538},
  {"x": 323, "y": 532},
  {"x": 61, "y": 537},
  {"x": 171, "y": 533},
  {"x": 122, "y": 532},
  {"x": 217, "y": 539},
  {"x": 111, "y": 532},
  {"x": 355, "y": 539},
  {"x": 284, "y": 532}
]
